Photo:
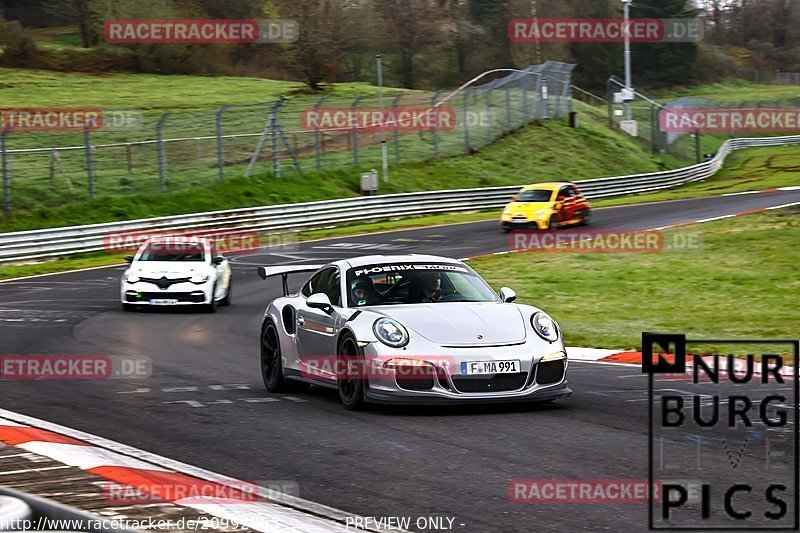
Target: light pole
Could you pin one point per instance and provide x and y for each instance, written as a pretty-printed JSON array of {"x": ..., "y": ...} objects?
[
  {"x": 384, "y": 154},
  {"x": 628, "y": 87}
]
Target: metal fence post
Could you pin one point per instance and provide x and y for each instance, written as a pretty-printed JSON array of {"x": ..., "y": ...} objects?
[
  {"x": 161, "y": 155},
  {"x": 395, "y": 100},
  {"x": 465, "y": 99},
  {"x": 525, "y": 102},
  {"x": 273, "y": 128},
  {"x": 508, "y": 109},
  {"x": 545, "y": 99},
  {"x": 489, "y": 121},
  {"x": 355, "y": 129},
  {"x": 87, "y": 140},
  {"x": 220, "y": 147},
  {"x": 435, "y": 113},
  {"x": 318, "y": 136},
  {"x": 6, "y": 176}
]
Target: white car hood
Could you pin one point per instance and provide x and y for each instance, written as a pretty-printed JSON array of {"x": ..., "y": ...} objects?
[
  {"x": 461, "y": 323},
  {"x": 167, "y": 269}
]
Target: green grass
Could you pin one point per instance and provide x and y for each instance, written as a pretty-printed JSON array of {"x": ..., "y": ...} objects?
[
  {"x": 735, "y": 91},
  {"x": 43, "y": 88},
  {"x": 742, "y": 284},
  {"x": 542, "y": 152},
  {"x": 751, "y": 169}
]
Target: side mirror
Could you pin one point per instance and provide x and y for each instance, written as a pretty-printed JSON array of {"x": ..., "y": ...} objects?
[
  {"x": 507, "y": 295},
  {"x": 129, "y": 259},
  {"x": 560, "y": 198},
  {"x": 218, "y": 260},
  {"x": 320, "y": 300},
  {"x": 515, "y": 198}
]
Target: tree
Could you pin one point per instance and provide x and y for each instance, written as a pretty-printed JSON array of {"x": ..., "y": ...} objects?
[
  {"x": 323, "y": 34},
  {"x": 410, "y": 27},
  {"x": 663, "y": 64}
]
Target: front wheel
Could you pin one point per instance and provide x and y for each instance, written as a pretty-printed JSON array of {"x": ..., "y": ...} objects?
[
  {"x": 350, "y": 382},
  {"x": 211, "y": 307},
  {"x": 228, "y": 295},
  {"x": 586, "y": 219}
]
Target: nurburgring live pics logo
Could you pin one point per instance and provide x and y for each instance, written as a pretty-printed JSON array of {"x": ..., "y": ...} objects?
[{"x": 743, "y": 463}]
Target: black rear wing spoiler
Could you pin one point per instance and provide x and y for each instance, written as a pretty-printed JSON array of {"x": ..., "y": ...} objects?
[{"x": 265, "y": 272}]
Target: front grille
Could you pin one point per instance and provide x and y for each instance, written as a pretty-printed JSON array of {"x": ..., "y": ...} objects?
[
  {"x": 550, "y": 372},
  {"x": 415, "y": 383},
  {"x": 163, "y": 282},
  {"x": 180, "y": 296},
  {"x": 496, "y": 383}
]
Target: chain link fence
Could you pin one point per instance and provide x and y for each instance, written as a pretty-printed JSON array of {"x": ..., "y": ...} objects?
[
  {"x": 181, "y": 150},
  {"x": 643, "y": 117}
]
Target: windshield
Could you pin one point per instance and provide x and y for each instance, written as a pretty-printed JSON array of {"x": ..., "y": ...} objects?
[
  {"x": 164, "y": 252},
  {"x": 535, "y": 195},
  {"x": 412, "y": 283}
]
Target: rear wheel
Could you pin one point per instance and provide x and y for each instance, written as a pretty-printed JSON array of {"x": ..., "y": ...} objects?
[
  {"x": 350, "y": 381},
  {"x": 271, "y": 360}
]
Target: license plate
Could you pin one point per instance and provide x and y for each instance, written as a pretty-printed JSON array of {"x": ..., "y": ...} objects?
[
  {"x": 489, "y": 367},
  {"x": 163, "y": 301}
]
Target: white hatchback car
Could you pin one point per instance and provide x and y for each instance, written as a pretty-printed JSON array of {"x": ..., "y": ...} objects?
[{"x": 176, "y": 272}]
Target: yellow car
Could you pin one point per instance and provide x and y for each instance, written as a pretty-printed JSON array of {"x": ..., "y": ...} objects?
[{"x": 546, "y": 206}]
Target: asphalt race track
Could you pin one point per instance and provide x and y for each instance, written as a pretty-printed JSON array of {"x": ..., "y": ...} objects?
[{"x": 205, "y": 403}]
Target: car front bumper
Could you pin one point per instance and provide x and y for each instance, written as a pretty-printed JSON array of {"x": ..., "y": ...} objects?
[{"x": 147, "y": 294}]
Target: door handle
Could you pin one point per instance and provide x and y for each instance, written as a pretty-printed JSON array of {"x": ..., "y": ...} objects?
[{"x": 301, "y": 321}]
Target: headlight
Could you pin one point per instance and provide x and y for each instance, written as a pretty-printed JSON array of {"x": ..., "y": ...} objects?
[
  {"x": 390, "y": 332},
  {"x": 131, "y": 278},
  {"x": 541, "y": 213},
  {"x": 507, "y": 211},
  {"x": 198, "y": 279},
  {"x": 544, "y": 326}
]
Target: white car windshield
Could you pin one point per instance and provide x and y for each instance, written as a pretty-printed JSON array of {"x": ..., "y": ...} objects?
[
  {"x": 173, "y": 252},
  {"x": 415, "y": 283}
]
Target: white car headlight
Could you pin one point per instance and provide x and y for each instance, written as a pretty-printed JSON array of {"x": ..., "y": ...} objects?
[
  {"x": 544, "y": 326},
  {"x": 390, "y": 332},
  {"x": 131, "y": 278},
  {"x": 541, "y": 214},
  {"x": 199, "y": 279}
]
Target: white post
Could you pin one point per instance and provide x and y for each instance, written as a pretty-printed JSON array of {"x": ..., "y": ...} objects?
[
  {"x": 628, "y": 87},
  {"x": 384, "y": 150}
]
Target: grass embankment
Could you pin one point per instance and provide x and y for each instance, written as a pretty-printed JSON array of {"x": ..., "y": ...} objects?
[
  {"x": 742, "y": 284},
  {"x": 539, "y": 152}
]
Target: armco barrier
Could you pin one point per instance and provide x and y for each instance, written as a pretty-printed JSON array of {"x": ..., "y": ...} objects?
[{"x": 45, "y": 243}]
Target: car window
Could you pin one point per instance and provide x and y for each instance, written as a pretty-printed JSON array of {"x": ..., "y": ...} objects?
[
  {"x": 326, "y": 281},
  {"x": 535, "y": 195},
  {"x": 173, "y": 251},
  {"x": 574, "y": 190}
]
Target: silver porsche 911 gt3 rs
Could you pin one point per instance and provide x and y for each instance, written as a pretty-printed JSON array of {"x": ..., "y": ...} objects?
[{"x": 409, "y": 329}]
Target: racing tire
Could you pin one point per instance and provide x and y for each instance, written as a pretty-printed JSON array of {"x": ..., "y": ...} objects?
[
  {"x": 586, "y": 218},
  {"x": 271, "y": 363},
  {"x": 505, "y": 229},
  {"x": 227, "y": 300},
  {"x": 552, "y": 224},
  {"x": 211, "y": 307},
  {"x": 128, "y": 307},
  {"x": 351, "y": 389}
]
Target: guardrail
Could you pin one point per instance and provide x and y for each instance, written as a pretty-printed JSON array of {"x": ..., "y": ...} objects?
[{"x": 47, "y": 243}]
